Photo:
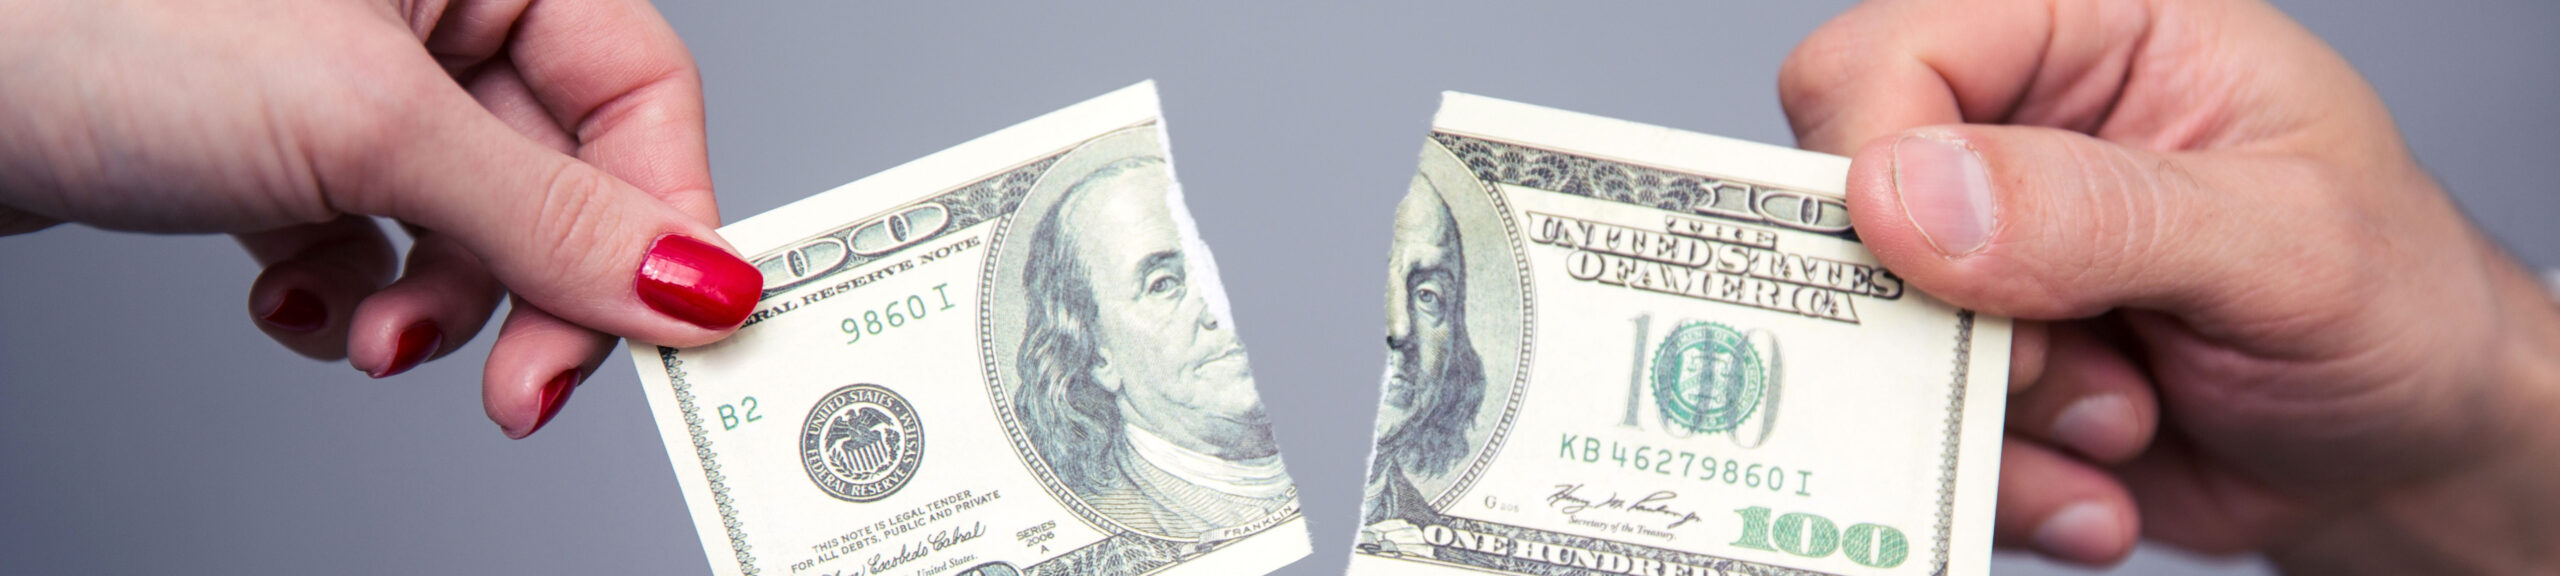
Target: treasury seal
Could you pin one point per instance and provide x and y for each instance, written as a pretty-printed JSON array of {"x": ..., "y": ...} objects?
[
  {"x": 861, "y": 443},
  {"x": 1707, "y": 378}
]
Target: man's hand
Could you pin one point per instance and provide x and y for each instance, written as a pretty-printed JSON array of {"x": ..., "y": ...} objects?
[
  {"x": 548, "y": 148},
  {"x": 2267, "y": 328}
]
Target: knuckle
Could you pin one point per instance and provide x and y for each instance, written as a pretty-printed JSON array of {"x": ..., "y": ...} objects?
[
  {"x": 2103, "y": 227},
  {"x": 422, "y": 16},
  {"x": 2135, "y": 201},
  {"x": 1802, "y": 74},
  {"x": 573, "y": 226},
  {"x": 1810, "y": 75}
]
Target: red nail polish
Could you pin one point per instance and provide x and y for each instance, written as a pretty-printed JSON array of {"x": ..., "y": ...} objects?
[
  {"x": 554, "y": 395},
  {"x": 297, "y": 311},
  {"x": 416, "y": 344},
  {"x": 698, "y": 283}
]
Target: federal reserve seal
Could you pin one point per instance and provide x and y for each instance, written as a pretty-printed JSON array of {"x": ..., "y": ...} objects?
[
  {"x": 1707, "y": 378},
  {"x": 861, "y": 443}
]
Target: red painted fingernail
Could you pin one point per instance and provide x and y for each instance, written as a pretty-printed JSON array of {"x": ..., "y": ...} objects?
[
  {"x": 297, "y": 311},
  {"x": 416, "y": 343},
  {"x": 554, "y": 395},
  {"x": 698, "y": 283}
]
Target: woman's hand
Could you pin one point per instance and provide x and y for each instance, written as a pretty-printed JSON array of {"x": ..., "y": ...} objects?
[
  {"x": 2262, "y": 325},
  {"x": 552, "y": 149}
]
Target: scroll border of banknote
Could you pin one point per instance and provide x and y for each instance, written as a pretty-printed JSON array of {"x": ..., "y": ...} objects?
[{"x": 1496, "y": 161}]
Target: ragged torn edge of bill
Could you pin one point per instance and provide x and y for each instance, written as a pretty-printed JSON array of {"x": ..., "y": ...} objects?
[{"x": 767, "y": 234}]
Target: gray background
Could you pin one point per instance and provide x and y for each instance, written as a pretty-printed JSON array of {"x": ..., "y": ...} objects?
[{"x": 146, "y": 426}]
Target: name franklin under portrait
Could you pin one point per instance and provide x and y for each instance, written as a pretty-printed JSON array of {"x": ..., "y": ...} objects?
[{"x": 1133, "y": 388}]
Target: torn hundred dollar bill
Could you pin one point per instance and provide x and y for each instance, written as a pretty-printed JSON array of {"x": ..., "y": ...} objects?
[
  {"x": 1624, "y": 349},
  {"x": 1010, "y": 357}
]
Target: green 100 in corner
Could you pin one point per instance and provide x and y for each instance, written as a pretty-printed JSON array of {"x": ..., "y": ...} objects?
[{"x": 1813, "y": 536}]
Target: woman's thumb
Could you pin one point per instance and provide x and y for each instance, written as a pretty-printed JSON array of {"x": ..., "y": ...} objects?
[{"x": 561, "y": 233}]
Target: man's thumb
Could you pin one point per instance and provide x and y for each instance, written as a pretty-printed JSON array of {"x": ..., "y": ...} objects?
[{"x": 2049, "y": 224}]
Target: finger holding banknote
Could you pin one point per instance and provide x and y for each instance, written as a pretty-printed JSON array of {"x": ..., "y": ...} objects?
[
  {"x": 2331, "y": 345},
  {"x": 609, "y": 83},
  {"x": 2095, "y": 403},
  {"x": 158, "y": 117}
]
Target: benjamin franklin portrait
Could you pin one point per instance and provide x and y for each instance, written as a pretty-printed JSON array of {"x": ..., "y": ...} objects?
[
  {"x": 1435, "y": 381},
  {"x": 1132, "y": 386}
]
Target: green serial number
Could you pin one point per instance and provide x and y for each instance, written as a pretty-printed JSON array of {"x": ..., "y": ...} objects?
[
  {"x": 896, "y": 314},
  {"x": 1704, "y": 468}
]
